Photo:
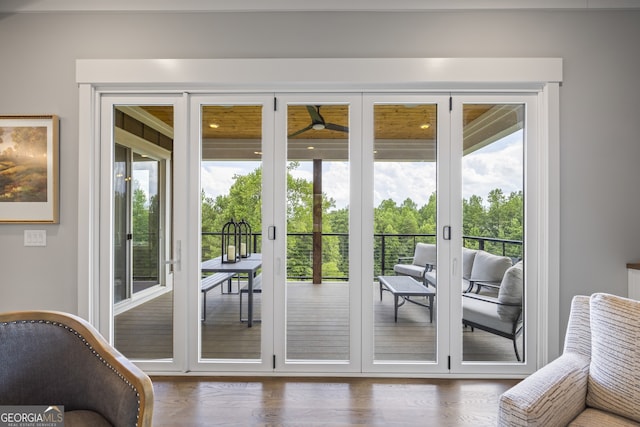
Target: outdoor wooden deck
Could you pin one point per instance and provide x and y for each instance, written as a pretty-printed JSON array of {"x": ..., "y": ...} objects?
[{"x": 317, "y": 329}]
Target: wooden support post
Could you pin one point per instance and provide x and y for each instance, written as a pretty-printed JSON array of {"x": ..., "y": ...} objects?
[{"x": 317, "y": 221}]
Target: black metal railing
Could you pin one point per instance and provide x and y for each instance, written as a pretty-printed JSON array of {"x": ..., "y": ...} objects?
[{"x": 335, "y": 247}]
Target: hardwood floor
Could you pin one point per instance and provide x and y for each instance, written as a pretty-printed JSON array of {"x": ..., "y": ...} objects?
[
  {"x": 198, "y": 402},
  {"x": 317, "y": 321}
]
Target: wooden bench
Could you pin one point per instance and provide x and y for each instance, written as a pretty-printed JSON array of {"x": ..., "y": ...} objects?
[
  {"x": 257, "y": 289},
  {"x": 209, "y": 282}
]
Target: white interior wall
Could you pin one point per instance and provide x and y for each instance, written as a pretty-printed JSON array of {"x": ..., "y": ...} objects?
[{"x": 598, "y": 129}]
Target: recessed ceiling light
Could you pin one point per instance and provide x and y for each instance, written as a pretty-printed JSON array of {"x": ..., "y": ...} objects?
[
  {"x": 425, "y": 126},
  {"x": 258, "y": 153},
  {"x": 311, "y": 147},
  {"x": 214, "y": 125}
]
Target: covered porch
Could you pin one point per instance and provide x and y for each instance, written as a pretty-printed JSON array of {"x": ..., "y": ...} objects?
[{"x": 317, "y": 324}]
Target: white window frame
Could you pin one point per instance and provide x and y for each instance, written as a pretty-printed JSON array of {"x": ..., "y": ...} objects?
[{"x": 541, "y": 76}]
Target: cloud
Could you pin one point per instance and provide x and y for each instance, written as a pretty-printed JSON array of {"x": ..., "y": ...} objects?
[
  {"x": 402, "y": 180},
  {"x": 217, "y": 177},
  {"x": 499, "y": 165}
]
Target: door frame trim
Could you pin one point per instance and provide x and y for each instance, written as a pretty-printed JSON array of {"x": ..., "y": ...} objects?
[{"x": 543, "y": 76}]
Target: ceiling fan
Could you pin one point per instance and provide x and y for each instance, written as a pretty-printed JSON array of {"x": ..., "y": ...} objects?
[{"x": 318, "y": 123}]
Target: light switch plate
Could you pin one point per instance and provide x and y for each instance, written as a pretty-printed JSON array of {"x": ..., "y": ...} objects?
[{"x": 35, "y": 237}]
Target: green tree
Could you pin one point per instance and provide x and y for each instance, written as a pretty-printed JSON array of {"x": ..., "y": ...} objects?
[
  {"x": 502, "y": 217},
  {"x": 140, "y": 217}
]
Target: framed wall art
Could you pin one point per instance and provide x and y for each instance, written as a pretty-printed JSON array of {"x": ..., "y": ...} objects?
[{"x": 29, "y": 149}]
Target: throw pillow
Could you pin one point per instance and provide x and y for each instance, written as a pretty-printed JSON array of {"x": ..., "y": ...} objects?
[
  {"x": 614, "y": 373},
  {"x": 468, "y": 255},
  {"x": 511, "y": 293},
  {"x": 488, "y": 267}
]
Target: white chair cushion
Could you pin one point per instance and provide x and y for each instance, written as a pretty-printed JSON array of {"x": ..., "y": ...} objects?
[
  {"x": 488, "y": 267},
  {"x": 614, "y": 372},
  {"x": 431, "y": 277},
  {"x": 484, "y": 313},
  {"x": 468, "y": 255},
  {"x": 511, "y": 292},
  {"x": 409, "y": 270},
  {"x": 424, "y": 254}
]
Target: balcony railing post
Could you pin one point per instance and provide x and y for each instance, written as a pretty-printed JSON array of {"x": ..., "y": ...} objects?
[{"x": 383, "y": 254}]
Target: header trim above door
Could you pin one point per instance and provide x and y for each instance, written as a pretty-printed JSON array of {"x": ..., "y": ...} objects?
[{"x": 323, "y": 73}]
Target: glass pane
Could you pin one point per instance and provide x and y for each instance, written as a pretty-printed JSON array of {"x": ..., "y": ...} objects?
[
  {"x": 120, "y": 223},
  {"x": 146, "y": 222},
  {"x": 143, "y": 296},
  {"x": 317, "y": 293},
  {"x": 493, "y": 232},
  {"x": 231, "y": 206},
  {"x": 404, "y": 232}
]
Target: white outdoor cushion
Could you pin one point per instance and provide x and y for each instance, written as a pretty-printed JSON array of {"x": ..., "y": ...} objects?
[
  {"x": 488, "y": 267},
  {"x": 409, "y": 270},
  {"x": 468, "y": 255},
  {"x": 484, "y": 313},
  {"x": 431, "y": 277},
  {"x": 614, "y": 373},
  {"x": 511, "y": 292},
  {"x": 424, "y": 254}
]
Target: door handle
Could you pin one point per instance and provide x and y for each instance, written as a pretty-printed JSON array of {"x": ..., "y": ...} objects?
[
  {"x": 446, "y": 232},
  {"x": 177, "y": 261}
]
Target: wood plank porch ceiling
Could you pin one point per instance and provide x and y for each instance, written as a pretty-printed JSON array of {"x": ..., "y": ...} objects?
[{"x": 402, "y": 132}]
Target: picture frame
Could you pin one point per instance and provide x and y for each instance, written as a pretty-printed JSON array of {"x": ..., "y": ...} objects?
[{"x": 29, "y": 169}]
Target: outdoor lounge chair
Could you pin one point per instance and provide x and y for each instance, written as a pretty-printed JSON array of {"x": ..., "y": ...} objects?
[
  {"x": 52, "y": 358},
  {"x": 423, "y": 261},
  {"x": 501, "y": 315},
  {"x": 479, "y": 268}
]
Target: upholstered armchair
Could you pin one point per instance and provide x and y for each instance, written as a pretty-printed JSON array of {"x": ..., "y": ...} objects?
[
  {"x": 595, "y": 381},
  {"x": 53, "y": 358}
]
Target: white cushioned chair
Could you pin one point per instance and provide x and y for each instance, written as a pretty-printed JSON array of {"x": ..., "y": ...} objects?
[
  {"x": 595, "y": 381},
  {"x": 53, "y": 358},
  {"x": 487, "y": 270},
  {"x": 423, "y": 262},
  {"x": 478, "y": 266},
  {"x": 500, "y": 315}
]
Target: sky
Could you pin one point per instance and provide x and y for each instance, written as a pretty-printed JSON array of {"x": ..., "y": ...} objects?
[{"x": 499, "y": 165}]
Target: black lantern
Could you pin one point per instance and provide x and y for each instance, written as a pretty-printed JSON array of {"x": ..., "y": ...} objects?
[
  {"x": 245, "y": 239},
  {"x": 230, "y": 242}
]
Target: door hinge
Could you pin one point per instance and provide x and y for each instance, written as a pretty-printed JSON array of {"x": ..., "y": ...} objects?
[
  {"x": 274, "y": 361},
  {"x": 129, "y": 236},
  {"x": 275, "y": 104},
  {"x": 450, "y": 103},
  {"x": 449, "y": 363}
]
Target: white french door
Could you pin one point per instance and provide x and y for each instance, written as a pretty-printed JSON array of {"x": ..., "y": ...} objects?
[
  {"x": 318, "y": 208},
  {"x": 142, "y": 283},
  {"x": 231, "y": 175},
  {"x": 495, "y": 152},
  {"x": 334, "y": 187},
  {"x": 407, "y": 196}
]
